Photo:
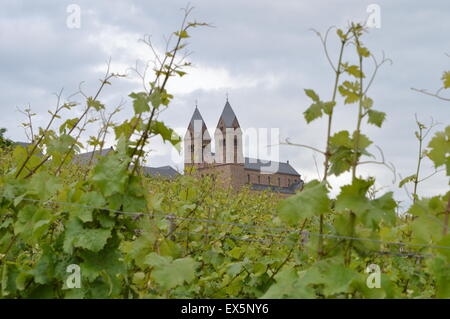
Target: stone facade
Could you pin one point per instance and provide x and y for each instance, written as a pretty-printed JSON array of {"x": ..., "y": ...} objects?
[{"x": 228, "y": 162}]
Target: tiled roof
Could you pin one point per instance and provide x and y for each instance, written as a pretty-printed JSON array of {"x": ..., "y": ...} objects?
[
  {"x": 84, "y": 158},
  {"x": 25, "y": 145},
  {"x": 198, "y": 117},
  {"x": 285, "y": 190},
  {"x": 259, "y": 165},
  {"x": 228, "y": 115},
  {"x": 163, "y": 171}
]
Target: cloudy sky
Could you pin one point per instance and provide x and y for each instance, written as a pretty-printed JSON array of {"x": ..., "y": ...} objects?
[{"x": 261, "y": 52}]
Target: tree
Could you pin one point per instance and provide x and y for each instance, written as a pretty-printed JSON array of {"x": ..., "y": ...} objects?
[{"x": 4, "y": 142}]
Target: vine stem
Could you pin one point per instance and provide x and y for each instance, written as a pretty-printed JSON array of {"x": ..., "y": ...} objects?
[
  {"x": 330, "y": 120},
  {"x": 447, "y": 213},
  {"x": 330, "y": 116},
  {"x": 360, "y": 116},
  {"x": 419, "y": 161},
  {"x": 43, "y": 135}
]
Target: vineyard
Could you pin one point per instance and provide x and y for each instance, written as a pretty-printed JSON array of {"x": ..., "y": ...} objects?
[{"x": 133, "y": 236}]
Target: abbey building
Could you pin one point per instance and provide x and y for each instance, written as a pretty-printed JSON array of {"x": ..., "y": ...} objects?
[{"x": 228, "y": 159}]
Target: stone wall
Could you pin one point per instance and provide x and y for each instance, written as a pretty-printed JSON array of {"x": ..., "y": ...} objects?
[{"x": 237, "y": 176}]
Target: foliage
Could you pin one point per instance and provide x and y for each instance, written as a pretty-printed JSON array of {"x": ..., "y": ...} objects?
[{"x": 4, "y": 142}]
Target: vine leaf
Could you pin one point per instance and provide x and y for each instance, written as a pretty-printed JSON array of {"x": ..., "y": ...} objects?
[
  {"x": 446, "y": 79},
  {"x": 169, "y": 274},
  {"x": 376, "y": 117},
  {"x": 439, "y": 147},
  {"x": 406, "y": 180},
  {"x": 311, "y": 201}
]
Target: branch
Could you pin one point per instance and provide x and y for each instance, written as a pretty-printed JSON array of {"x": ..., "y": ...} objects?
[
  {"x": 301, "y": 145},
  {"x": 423, "y": 91}
]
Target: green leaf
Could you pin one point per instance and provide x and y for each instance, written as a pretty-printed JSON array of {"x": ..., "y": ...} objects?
[
  {"x": 167, "y": 134},
  {"x": 328, "y": 107},
  {"x": 376, "y": 117},
  {"x": 78, "y": 236},
  {"x": 439, "y": 269},
  {"x": 313, "y": 112},
  {"x": 350, "y": 91},
  {"x": 367, "y": 102},
  {"x": 341, "y": 138},
  {"x": 95, "y": 104},
  {"x": 288, "y": 286},
  {"x": 341, "y": 35},
  {"x": 335, "y": 277},
  {"x": 182, "y": 34},
  {"x": 363, "y": 143},
  {"x": 381, "y": 209},
  {"x": 341, "y": 161},
  {"x": 44, "y": 269},
  {"x": 446, "y": 79},
  {"x": 93, "y": 199},
  {"x": 111, "y": 174},
  {"x": 354, "y": 70},
  {"x": 363, "y": 51},
  {"x": 439, "y": 149},
  {"x": 140, "y": 102},
  {"x": 169, "y": 274},
  {"x": 138, "y": 249},
  {"x": 32, "y": 222},
  {"x": 106, "y": 261},
  {"x": 44, "y": 185},
  {"x": 311, "y": 201},
  {"x": 156, "y": 98},
  {"x": 406, "y": 180},
  {"x": 312, "y": 95},
  {"x": 353, "y": 197},
  {"x": 427, "y": 225}
]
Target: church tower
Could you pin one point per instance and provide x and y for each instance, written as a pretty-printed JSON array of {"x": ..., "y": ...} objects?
[
  {"x": 228, "y": 138},
  {"x": 197, "y": 142}
]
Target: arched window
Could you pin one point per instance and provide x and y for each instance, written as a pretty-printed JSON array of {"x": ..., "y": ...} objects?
[
  {"x": 259, "y": 179},
  {"x": 248, "y": 178},
  {"x": 268, "y": 179},
  {"x": 279, "y": 181}
]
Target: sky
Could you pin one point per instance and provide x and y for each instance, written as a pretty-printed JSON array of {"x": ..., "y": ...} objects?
[{"x": 260, "y": 53}]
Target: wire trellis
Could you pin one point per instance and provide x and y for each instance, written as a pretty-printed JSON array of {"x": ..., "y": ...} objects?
[{"x": 245, "y": 226}]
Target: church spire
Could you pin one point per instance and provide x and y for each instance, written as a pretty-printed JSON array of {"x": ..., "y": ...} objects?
[
  {"x": 228, "y": 137},
  {"x": 197, "y": 141},
  {"x": 228, "y": 117},
  {"x": 197, "y": 123}
]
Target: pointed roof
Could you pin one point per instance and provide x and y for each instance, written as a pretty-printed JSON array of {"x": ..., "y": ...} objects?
[
  {"x": 228, "y": 115},
  {"x": 198, "y": 117}
]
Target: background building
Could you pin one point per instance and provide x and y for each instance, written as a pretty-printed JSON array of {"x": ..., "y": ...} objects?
[{"x": 228, "y": 162}]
